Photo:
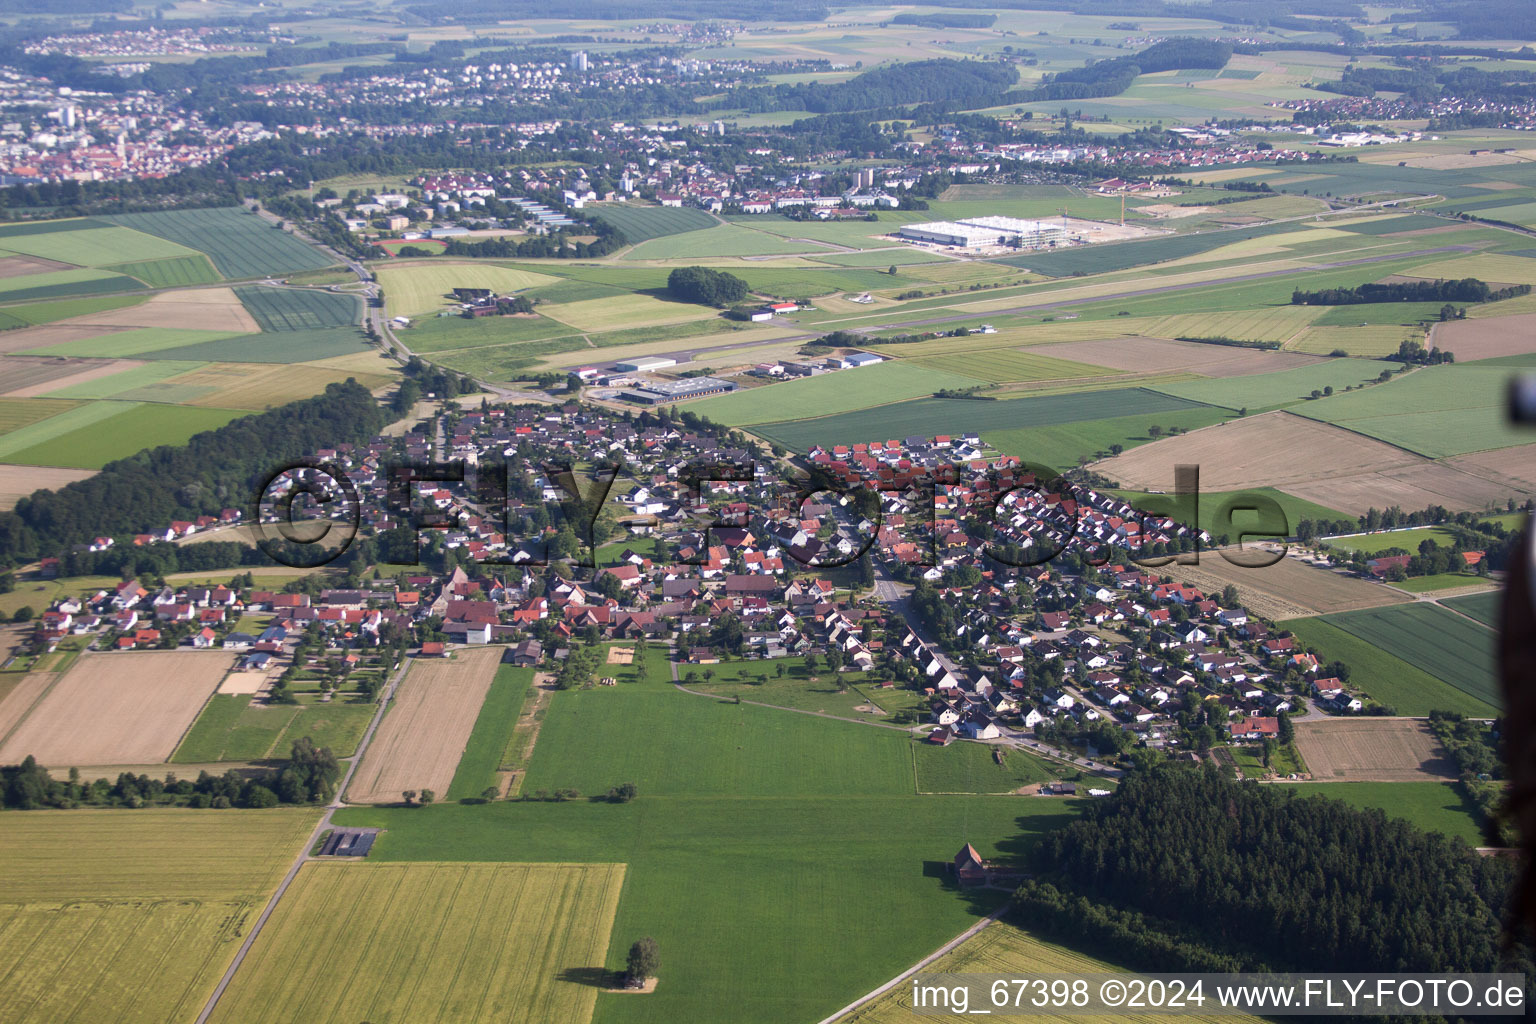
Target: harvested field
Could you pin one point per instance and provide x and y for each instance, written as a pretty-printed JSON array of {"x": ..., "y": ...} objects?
[
  {"x": 1158, "y": 354},
  {"x": 433, "y": 942},
  {"x": 1372, "y": 750},
  {"x": 1488, "y": 338},
  {"x": 1288, "y": 589},
  {"x": 202, "y": 309},
  {"x": 111, "y": 708},
  {"x": 1270, "y": 323},
  {"x": 421, "y": 738},
  {"x": 49, "y": 335},
  {"x": 20, "y": 266},
  {"x": 1512, "y": 467},
  {"x": 250, "y": 385},
  {"x": 621, "y": 655},
  {"x": 26, "y": 692},
  {"x": 1317, "y": 461},
  {"x": 16, "y": 482}
]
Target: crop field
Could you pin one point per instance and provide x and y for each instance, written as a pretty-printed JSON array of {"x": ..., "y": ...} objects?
[
  {"x": 1006, "y": 948},
  {"x": 173, "y": 272},
  {"x": 1444, "y": 644},
  {"x": 420, "y": 288},
  {"x": 203, "y": 309},
  {"x": 1138, "y": 353},
  {"x": 63, "y": 309},
  {"x": 1106, "y": 257},
  {"x": 642, "y": 223},
  {"x": 137, "y": 341},
  {"x": 1339, "y": 468},
  {"x": 255, "y": 386},
  {"x": 60, "y": 284},
  {"x": 1371, "y": 341},
  {"x": 1482, "y": 607},
  {"x": 626, "y": 311},
  {"x": 454, "y": 333},
  {"x": 423, "y": 735},
  {"x": 829, "y": 393},
  {"x": 117, "y": 435},
  {"x": 1270, "y": 323},
  {"x": 762, "y": 912},
  {"x": 671, "y": 743},
  {"x": 90, "y": 246},
  {"x": 1385, "y": 677},
  {"x": 1005, "y": 366},
  {"x": 117, "y": 708},
  {"x": 74, "y": 416},
  {"x": 1284, "y": 387},
  {"x": 1436, "y": 411},
  {"x": 292, "y": 309},
  {"x": 241, "y": 245},
  {"x": 1495, "y": 268},
  {"x": 720, "y": 240},
  {"x": 1063, "y": 445},
  {"x": 959, "y": 416},
  {"x": 16, "y": 413},
  {"x": 901, "y": 257},
  {"x": 277, "y": 347},
  {"x": 424, "y": 943},
  {"x": 231, "y": 728},
  {"x": 98, "y": 900},
  {"x": 24, "y": 377},
  {"x": 1372, "y": 750},
  {"x": 1288, "y": 589}
]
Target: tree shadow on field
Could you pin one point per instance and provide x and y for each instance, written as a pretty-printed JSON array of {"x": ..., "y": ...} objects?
[{"x": 596, "y": 977}]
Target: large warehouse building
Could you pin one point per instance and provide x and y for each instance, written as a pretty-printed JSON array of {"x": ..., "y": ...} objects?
[{"x": 975, "y": 232}]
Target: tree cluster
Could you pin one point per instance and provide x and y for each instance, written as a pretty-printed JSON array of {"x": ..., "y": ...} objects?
[
  {"x": 707, "y": 287},
  {"x": 1468, "y": 289}
]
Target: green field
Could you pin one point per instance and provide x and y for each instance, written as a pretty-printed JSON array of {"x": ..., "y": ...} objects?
[
  {"x": 48, "y": 312},
  {"x": 642, "y": 223},
  {"x": 66, "y": 418},
  {"x": 449, "y": 333},
  {"x": 669, "y": 743},
  {"x": 930, "y": 416},
  {"x": 1283, "y": 387},
  {"x": 174, "y": 272},
  {"x": 720, "y": 240},
  {"x": 1436, "y": 411},
  {"x": 493, "y": 728},
  {"x": 97, "y": 901},
  {"x": 1383, "y": 675},
  {"x": 292, "y": 309},
  {"x": 416, "y": 289},
  {"x": 901, "y": 257},
  {"x": 1431, "y": 806},
  {"x": 1408, "y": 540},
  {"x": 129, "y": 380},
  {"x": 460, "y": 943},
  {"x": 16, "y": 413},
  {"x": 829, "y": 393},
  {"x": 231, "y": 728},
  {"x": 969, "y": 767},
  {"x": 1485, "y": 608},
  {"x": 117, "y": 434},
  {"x": 1442, "y": 643},
  {"x": 1213, "y": 503},
  {"x": 137, "y": 342},
  {"x": 1062, "y": 446},
  {"x": 92, "y": 246},
  {"x": 1103, "y": 258},
  {"x": 241, "y": 245}
]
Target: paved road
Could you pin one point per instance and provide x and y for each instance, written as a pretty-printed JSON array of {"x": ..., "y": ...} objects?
[{"x": 309, "y": 844}]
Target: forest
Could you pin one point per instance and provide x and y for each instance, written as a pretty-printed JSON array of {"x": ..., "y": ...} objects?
[
  {"x": 1468, "y": 289},
  {"x": 1114, "y": 76},
  {"x": 1196, "y": 862},
  {"x": 216, "y": 469}
]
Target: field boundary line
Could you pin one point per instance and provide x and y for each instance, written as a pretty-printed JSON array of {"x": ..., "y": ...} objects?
[
  {"x": 193, "y": 724},
  {"x": 948, "y": 947},
  {"x": 33, "y": 706}
]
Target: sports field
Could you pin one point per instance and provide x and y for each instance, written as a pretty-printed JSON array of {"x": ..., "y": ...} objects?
[
  {"x": 1436, "y": 411},
  {"x": 241, "y": 244},
  {"x": 231, "y": 728},
  {"x": 1380, "y": 674},
  {"x": 99, "y": 900},
  {"x": 118, "y": 708},
  {"x": 1444, "y": 644},
  {"x": 419, "y": 288},
  {"x": 958, "y": 416},
  {"x": 829, "y": 393},
  {"x": 423, "y": 735},
  {"x": 452, "y": 943}
]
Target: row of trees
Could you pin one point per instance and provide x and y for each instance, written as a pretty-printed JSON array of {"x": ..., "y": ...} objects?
[{"x": 1467, "y": 289}]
